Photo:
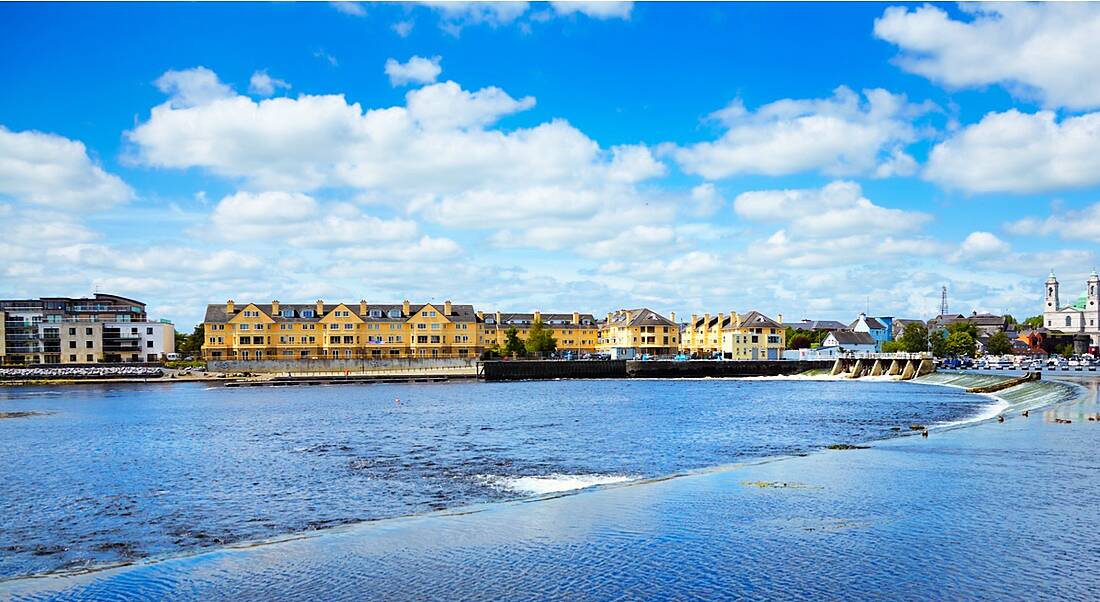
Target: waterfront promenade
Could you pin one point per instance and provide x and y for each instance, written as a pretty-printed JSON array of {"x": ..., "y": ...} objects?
[{"x": 992, "y": 511}]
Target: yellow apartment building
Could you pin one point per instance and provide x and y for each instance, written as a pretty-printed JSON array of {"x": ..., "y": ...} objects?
[
  {"x": 574, "y": 332},
  {"x": 360, "y": 330},
  {"x": 629, "y": 333},
  {"x": 737, "y": 336}
]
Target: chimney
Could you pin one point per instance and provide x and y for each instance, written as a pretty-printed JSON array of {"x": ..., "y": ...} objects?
[
  {"x": 320, "y": 308},
  {"x": 274, "y": 308},
  {"x": 694, "y": 318},
  {"x": 538, "y": 316},
  {"x": 706, "y": 323},
  {"x": 480, "y": 315},
  {"x": 405, "y": 308},
  {"x": 498, "y": 319},
  {"x": 446, "y": 308},
  {"x": 609, "y": 318},
  {"x": 362, "y": 307},
  {"x": 576, "y": 318},
  {"x": 736, "y": 318},
  {"x": 779, "y": 318},
  {"x": 672, "y": 316},
  {"x": 229, "y": 307}
]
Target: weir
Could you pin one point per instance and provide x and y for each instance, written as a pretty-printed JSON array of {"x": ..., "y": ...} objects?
[{"x": 906, "y": 366}]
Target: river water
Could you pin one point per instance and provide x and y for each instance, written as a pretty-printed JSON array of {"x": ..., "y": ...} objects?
[{"x": 116, "y": 473}]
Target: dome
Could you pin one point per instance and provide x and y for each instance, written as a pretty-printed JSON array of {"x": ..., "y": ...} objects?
[{"x": 1082, "y": 302}]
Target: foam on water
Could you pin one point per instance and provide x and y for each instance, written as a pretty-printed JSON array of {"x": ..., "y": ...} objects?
[{"x": 554, "y": 483}]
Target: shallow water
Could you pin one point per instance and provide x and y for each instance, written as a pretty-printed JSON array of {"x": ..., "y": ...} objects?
[{"x": 117, "y": 473}]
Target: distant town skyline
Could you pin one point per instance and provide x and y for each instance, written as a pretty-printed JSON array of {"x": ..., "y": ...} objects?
[{"x": 812, "y": 161}]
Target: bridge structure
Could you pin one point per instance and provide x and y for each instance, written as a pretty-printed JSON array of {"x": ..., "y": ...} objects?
[{"x": 905, "y": 366}]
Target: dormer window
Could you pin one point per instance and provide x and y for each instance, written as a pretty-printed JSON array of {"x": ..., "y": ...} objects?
[
  {"x": 376, "y": 313},
  {"x": 394, "y": 313},
  {"x": 490, "y": 321},
  {"x": 287, "y": 313},
  {"x": 309, "y": 313}
]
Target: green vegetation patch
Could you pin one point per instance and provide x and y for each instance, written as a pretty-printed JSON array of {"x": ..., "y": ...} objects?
[{"x": 22, "y": 414}]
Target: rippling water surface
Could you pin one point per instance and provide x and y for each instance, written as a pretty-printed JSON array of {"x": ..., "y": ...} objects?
[{"x": 116, "y": 473}]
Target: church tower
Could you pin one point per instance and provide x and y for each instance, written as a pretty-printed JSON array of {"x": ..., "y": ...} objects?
[
  {"x": 1093, "y": 292},
  {"x": 1052, "y": 293}
]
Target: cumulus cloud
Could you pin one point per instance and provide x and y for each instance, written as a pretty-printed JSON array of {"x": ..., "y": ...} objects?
[
  {"x": 192, "y": 87},
  {"x": 438, "y": 157},
  {"x": 839, "y": 209},
  {"x": 1043, "y": 51},
  {"x": 356, "y": 9},
  {"x": 1083, "y": 224},
  {"x": 417, "y": 70},
  {"x": 263, "y": 84},
  {"x": 595, "y": 10},
  {"x": 839, "y": 135},
  {"x": 981, "y": 245},
  {"x": 55, "y": 172},
  {"x": 1019, "y": 153}
]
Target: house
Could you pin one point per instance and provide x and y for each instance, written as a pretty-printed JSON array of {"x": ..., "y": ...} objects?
[
  {"x": 877, "y": 328},
  {"x": 576, "y": 332},
  {"x": 900, "y": 324},
  {"x": 815, "y": 325},
  {"x": 851, "y": 342},
  {"x": 1083, "y": 317},
  {"x": 752, "y": 336}
]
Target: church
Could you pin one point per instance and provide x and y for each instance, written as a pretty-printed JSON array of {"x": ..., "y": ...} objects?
[{"x": 1082, "y": 317}]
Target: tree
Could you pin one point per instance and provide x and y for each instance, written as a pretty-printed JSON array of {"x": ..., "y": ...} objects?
[
  {"x": 966, "y": 327},
  {"x": 512, "y": 343},
  {"x": 190, "y": 344},
  {"x": 914, "y": 338},
  {"x": 961, "y": 344},
  {"x": 939, "y": 343},
  {"x": 540, "y": 339},
  {"x": 1066, "y": 350},
  {"x": 1034, "y": 322},
  {"x": 998, "y": 344},
  {"x": 891, "y": 347},
  {"x": 799, "y": 341},
  {"x": 1010, "y": 320}
]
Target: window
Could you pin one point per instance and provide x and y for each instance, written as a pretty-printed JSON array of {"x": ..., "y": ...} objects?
[
  {"x": 212, "y": 340},
  {"x": 309, "y": 313},
  {"x": 376, "y": 313},
  {"x": 287, "y": 313},
  {"x": 91, "y": 358},
  {"x": 148, "y": 344},
  {"x": 259, "y": 326},
  {"x": 72, "y": 358},
  {"x": 149, "y": 330},
  {"x": 349, "y": 326},
  {"x": 334, "y": 340},
  {"x": 1069, "y": 321},
  {"x": 290, "y": 338},
  {"x": 72, "y": 344},
  {"x": 435, "y": 339},
  {"x": 244, "y": 326},
  {"x": 394, "y": 313},
  {"x": 421, "y": 339},
  {"x": 437, "y": 326},
  {"x": 88, "y": 331},
  {"x": 72, "y": 332},
  {"x": 421, "y": 326},
  {"x": 349, "y": 340},
  {"x": 87, "y": 344}
]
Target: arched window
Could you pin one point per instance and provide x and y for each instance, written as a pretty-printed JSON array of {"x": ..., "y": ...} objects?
[
  {"x": 1069, "y": 321},
  {"x": 1050, "y": 291}
]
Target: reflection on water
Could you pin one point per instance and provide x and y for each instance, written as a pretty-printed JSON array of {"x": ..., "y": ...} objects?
[{"x": 120, "y": 473}]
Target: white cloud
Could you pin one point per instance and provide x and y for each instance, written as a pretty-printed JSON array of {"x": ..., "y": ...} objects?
[
  {"x": 1020, "y": 153},
  {"x": 263, "y": 84},
  {"x": 705, "y": 200},
  {"x": 595, "y": 10},
  {"x": 981, "y": 245},
  {"x": 403, "y": 28},
  {"x": 1045, "y": 51},
  {"x": 446, "y": 106},
  {"x": 840, "y": 135},
  {"x": 1083, "y": 224},
  {"x": 356, "y": 9},
  {"x": 837, "y": 210},
  {"x": 301, "y": 221},
  {"x": 192, "y": 87},
  {"x": 56, "y": 172},
  {"x": 417, "y": 70}
]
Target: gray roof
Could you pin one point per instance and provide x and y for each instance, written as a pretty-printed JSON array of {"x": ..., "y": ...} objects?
[
  {"x": 815, "y": 325},
  {"x": 748, "y": 319},
  {"x": 642, "y": 316},
  {"x": 519, "y": 319},
  {"x": 847, "y": 337},
  {"x": 216, "y": 313},
  {"x": 873, "y": 323}
]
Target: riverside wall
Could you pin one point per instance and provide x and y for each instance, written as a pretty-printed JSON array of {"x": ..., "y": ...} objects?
[
  {"x": 338, "y": 365},
  {"x": 552, "y": 369}
]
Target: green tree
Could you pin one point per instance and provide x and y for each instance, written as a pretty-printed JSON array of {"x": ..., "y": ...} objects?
[
  {"x": 799, "y": 341},
  {"x": 914, "y": 338},
  {"x": 961, "y": 344},
  {"x": 190, "y": 344},
  {"x": 1010, "y": 320},
  {"x": 891, "y": 347},
  {"x": 1066, "y": 350},
  {"x": 999, "y": 344},
  {"x": 1034, "y": 321},
  {"x": 939, "y": 343},
  {"x": 540, "y": 339},
  {"x": 512, "y": 343},
  {"x": 966, "y": 327}
]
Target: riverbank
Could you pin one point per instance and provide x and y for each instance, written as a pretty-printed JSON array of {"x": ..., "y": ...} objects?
[{"x": 995, "y": 510}]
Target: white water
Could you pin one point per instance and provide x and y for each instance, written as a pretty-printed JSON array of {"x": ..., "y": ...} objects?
[{"x": 553, "y": 483}]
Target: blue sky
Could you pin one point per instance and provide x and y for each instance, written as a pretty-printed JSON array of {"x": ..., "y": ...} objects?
[{"x": 805, "y": 159}]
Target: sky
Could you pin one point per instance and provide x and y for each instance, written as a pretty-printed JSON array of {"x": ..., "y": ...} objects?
[{"x": 809, "y": 160}]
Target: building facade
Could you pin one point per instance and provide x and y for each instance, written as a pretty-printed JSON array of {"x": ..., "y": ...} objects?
[
  {"x": 630, "y": 333},
  {"x": 879, "y": 328},
  {"x": 748, "y": 336},
  {"x": 847, "y": 341},
  {"x": 360, "y": 330},
  {"x": 576, "y": 332},
  {"x": 1082, "y": 317},
  {"x": 65, "y": 330}
]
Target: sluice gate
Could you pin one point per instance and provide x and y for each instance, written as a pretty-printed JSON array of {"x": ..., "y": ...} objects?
[{"x": 904, "y": 366}]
